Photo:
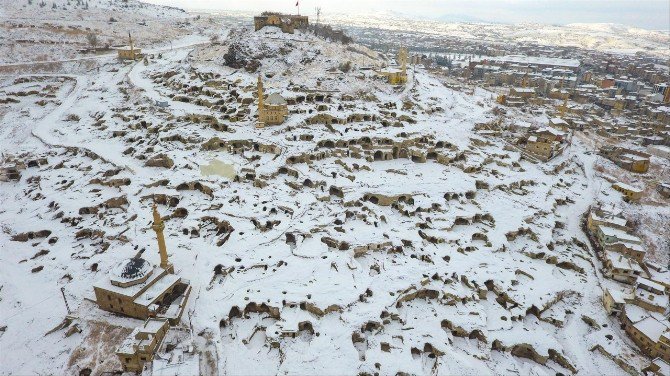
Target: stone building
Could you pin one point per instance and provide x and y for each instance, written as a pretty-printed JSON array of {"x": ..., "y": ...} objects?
[
  {"x": 631, "y": 160},
  {"x": 545, "y": 143},
  {"x": 129, "y": 52},
  {"x": 599, "y": 217},
  {"x": 141, "y": 344},
  {"x": 650, "y": 296},
  {"x": 613, "y": 301},
  {"x": 608, "y": 235},
  {"x": 620, "y": 268},
  {"x": 397, "y": 76},
  {"x": 286, "y": 22},
  {"x": 633, "y": 251},
  {"x": 658, "y": 367},
  {"x": 630, "y": 193},
  {"x": 649, "y": 331},
  {"x": 138, "y": 289},
  {"x": 271, "y": 111}
]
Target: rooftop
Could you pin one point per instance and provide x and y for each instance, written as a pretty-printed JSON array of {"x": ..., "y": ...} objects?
[
  {"x": 619, "y": 234},
  {"x": 131, "y": 291}
]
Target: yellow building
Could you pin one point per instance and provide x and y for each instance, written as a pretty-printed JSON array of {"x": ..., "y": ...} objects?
[
  {"x": 540, "y": 147},
  {"x": 138, "y": 289},
  {"x": 649, "y": 332},
  {"x": 129, "y": 52},
  {"x": 141, "y": 344},
  {"x": 271, "y": 111},
  {"x": 397, "y": 76},
  {"x": 630, "y": 192}
]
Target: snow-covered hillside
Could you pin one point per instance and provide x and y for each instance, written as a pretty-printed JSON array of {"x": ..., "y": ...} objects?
[
  {"x": 55, "y": 30},
  {"x": 376, "y": 231}
]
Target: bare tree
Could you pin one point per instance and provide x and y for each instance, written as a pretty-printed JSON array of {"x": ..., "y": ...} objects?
[{"x": 92, "y": 40}]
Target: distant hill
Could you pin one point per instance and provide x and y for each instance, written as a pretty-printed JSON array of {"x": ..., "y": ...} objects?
[{"x": 460, "y": 18}]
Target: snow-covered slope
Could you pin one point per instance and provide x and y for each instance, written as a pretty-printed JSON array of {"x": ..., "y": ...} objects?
[
  {"x": 44, "y": 31},
  {"x": 397, "y": 240}
]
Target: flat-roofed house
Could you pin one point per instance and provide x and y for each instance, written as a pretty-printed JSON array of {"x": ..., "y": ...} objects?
[
  {"x": 522, "y": 92},
  {"x": 630, "y": 192},
  {"x": 658, "y": 367},
  {"x": 633, "y": 251},
  {"x": 598, "y": 217},
  {"x": 650, "y": 296},
  {"x": 141, "y": 344},
  {"x": 614, "y": 300},
  {"x": 620, "y": 268},
  {"x": 608, "y": 235},
  {"x": 650, "y": 331}
]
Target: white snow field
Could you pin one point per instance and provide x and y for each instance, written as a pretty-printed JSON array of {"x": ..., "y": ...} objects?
[{"x": 476, "y": 264}]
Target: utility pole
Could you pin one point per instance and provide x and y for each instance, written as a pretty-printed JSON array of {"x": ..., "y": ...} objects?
[{"x": 62, "y": 291}]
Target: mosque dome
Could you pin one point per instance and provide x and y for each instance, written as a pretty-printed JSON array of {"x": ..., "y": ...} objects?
[{"x": 131, "y": 271}]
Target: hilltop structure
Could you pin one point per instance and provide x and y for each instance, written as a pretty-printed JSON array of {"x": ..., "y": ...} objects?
[
  {"x": 272, "y": 111},
  {"x": 138, "y": 289},
  {"x": 286, "y": 22}
]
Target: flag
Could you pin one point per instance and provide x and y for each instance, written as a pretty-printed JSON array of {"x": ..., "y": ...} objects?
[{"x": 296, "y": 3}]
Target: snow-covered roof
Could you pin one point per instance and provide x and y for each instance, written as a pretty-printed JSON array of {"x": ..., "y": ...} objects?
[
  {"x": 609, "y": 219},
  {"x": 275, "y": 99},
  {"x": 619, "y": 234},
  {"x": 649, "y": 283},
  {"x": 634, "y": 157},
  {"x": 651, "y": 327},
  {"x": 620, "y": 261},
  {"x": 627, "y": 187},
  {"x": 617, "y": 295},
  {"x": 156, "y": 289},
  {"x": 550, "y": 130},
  {"x": 663, "y": 366},
  {"x": 105, "y": 283},
  {"x": 141, "y": 335},
  {"x": 537, "y": 60}
]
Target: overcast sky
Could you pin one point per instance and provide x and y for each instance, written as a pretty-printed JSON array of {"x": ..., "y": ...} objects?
[{"x": 648, "y": 14}]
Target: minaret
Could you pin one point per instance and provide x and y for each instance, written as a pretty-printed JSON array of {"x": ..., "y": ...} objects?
[
  {"x": 261, "y": 104},
  {"x": 158, "y": 226},
  {"x": 403, "y": 58},
  {"x": 132, "y": 50}
]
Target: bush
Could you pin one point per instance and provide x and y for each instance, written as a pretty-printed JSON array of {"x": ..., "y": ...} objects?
[
  {"x": 72, "y": 117},
  {"x": 345, "y": 67}
]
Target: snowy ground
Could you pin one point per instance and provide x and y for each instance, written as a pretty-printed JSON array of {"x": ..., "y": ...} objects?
[{"x": 482, "y": 271}]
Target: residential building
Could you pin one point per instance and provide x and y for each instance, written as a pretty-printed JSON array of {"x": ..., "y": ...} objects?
[{"x": 141, "y": 344}]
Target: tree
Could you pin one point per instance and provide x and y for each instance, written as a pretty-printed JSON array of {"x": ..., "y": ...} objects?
[{"x": 92, "y": 40}]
